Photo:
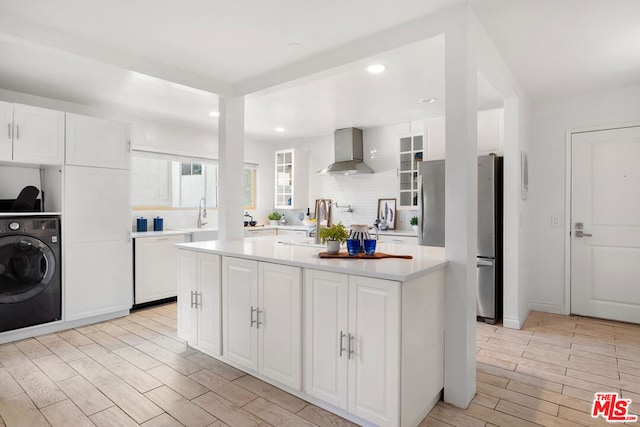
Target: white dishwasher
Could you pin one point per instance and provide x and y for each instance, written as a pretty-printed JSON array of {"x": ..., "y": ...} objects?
[{"x": 155, "y": 266}]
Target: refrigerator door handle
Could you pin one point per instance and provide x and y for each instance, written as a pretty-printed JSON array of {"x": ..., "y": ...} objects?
[
  {"x": 484, "y": 262},
  {"x": 420, "y": 210}
]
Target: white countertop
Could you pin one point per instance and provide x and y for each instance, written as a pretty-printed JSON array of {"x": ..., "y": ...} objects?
[
  {"x": 277, "y": 227},
  {"x": 143, "y": 234},
  {"x": 404, "y": 233},
  {"x": 425, "y": 258},
  {"x": 16, "y": 214}
]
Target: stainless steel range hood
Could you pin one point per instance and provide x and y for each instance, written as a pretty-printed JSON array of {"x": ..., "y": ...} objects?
[{"x": 348, "y": 154}]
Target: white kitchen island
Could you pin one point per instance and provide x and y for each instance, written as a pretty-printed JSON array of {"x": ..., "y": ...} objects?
[{"x": 363, "y": 338}]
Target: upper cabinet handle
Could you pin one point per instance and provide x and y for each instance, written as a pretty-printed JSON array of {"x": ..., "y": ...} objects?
[
  {"x": 9, "y": 130},
  {"x": 18, "y": 131}
]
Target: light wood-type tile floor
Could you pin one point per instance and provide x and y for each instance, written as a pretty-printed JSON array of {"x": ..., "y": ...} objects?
[{"x": 135, "y": 371}]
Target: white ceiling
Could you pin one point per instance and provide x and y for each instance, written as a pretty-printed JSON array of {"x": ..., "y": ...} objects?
[{"x": 103, "y": 53}]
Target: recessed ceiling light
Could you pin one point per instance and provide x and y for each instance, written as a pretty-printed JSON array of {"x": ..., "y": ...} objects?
[
  {"x": 376, "y": 68},
  {"x": 279, "y": 129},
  {"x": 214, "y": 114},
  {"x": 428, "y": 100}
]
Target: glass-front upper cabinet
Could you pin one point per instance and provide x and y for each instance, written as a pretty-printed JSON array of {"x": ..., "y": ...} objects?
[
  {"x": 411, "y": 152},
  {"x": 284, "y": 179},
  {"x": 292, "y": 181}
]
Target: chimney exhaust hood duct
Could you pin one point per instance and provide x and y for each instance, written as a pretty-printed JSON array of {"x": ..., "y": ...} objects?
[{"x": 348, "y": 154}]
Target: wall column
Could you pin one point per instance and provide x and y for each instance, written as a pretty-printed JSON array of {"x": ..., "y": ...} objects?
[
  {"x": 230, "y": 168},
  {"x": 461, "y": 223}
]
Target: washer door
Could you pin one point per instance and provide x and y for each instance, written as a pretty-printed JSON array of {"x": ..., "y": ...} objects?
[{"x": 27, "y": 266}]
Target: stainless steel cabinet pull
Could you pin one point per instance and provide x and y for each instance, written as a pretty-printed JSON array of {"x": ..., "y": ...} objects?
[
  {"x": 253, "y": 321},
  {"x": 9, "y": 130},
  {"x": 342, "y": 335},
  {"x": 192, "y": 299},
  {"x": 199, "y": 296},
  {"x": 258, "y": 322},
  {"x": 18, "y": 131},
  {"x": 351, "y": 337}
]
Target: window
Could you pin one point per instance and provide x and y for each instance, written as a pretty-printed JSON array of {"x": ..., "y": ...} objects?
[
  {"x": 191, "y": 168},
  {"x": 164, "y": 181}
]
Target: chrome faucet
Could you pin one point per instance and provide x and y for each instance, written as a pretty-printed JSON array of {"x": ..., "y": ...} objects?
[
  {"x": 202, "y": 212},
  {"x": 327, "y": 206},
  {"x": 321, "y": 202}
]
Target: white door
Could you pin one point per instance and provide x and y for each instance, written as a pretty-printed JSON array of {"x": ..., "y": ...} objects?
[
  {"x": 326, "y": 335},
  {"x": 605, "y": 224},
  {"x": 187, "y": 285},
  {"x": 6, "y": 130},
  {"x": 85, "y": 133},
  {"x": 279, "y": 323},
  {"x": 374, "y": 365},
  {"x": 209, "y": 308},
  {"x": 239, "y": 311},
  {"x": 38, "y": 135}
]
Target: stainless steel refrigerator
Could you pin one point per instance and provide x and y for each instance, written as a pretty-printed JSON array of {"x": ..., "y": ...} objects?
[{"x": 431, "y": 217}]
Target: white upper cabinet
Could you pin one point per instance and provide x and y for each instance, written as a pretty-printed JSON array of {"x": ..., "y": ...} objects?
[
  {"x": 291, "y": 180},
  {"x": 490, "y": 131},
  {"x": 490, "y": 134},
  {"x": 97, "y": 142},
  {"x": 31, "y": 134}
]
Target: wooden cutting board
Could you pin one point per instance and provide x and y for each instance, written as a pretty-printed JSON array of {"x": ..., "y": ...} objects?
[{"x": 376, "y": 255}]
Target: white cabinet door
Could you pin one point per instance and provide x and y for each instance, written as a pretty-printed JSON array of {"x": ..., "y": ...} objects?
[
  {"x": 156, "y": 272},
  {"x": 490, "y": 131},
  {"x": 38, "y": 135},
  {"x": 6, "y": 130},
  {"x": 326, "y": 332},
  {"x": 279, "y": 323},
  {"x": 85, "y": 134},
  {"x": 209, "y": 304},
  {"x": 187, "y": 285},
  {"x": 374, "y": 371},
  {"x": 97, "y": 243},
  {"x": 240, "y": 311},
  {"x": 199, "y": 317},
  {"x": 291, "y": 179}
]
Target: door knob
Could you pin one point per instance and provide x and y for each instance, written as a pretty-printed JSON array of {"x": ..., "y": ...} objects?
[{"x": 580, "y": 233}]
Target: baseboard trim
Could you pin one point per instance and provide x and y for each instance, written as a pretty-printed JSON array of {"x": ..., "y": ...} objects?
[
  {"x": 548, "y": 308},
  {"x": 49, "y": 328}
]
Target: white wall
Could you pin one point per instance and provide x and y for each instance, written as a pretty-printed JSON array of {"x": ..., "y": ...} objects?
[
  {"x": 14, "y": 179},
  {"x": 545, "y": 245}
]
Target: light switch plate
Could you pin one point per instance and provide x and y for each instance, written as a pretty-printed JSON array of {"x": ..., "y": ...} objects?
[{"x": 555, "y": 220}]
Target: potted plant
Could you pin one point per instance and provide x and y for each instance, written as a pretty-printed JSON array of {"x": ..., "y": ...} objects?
[
  {"x": 414, "y": 224},
  {"x": 274, "y": 217},
  {"x": 334, "y": 236}
]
